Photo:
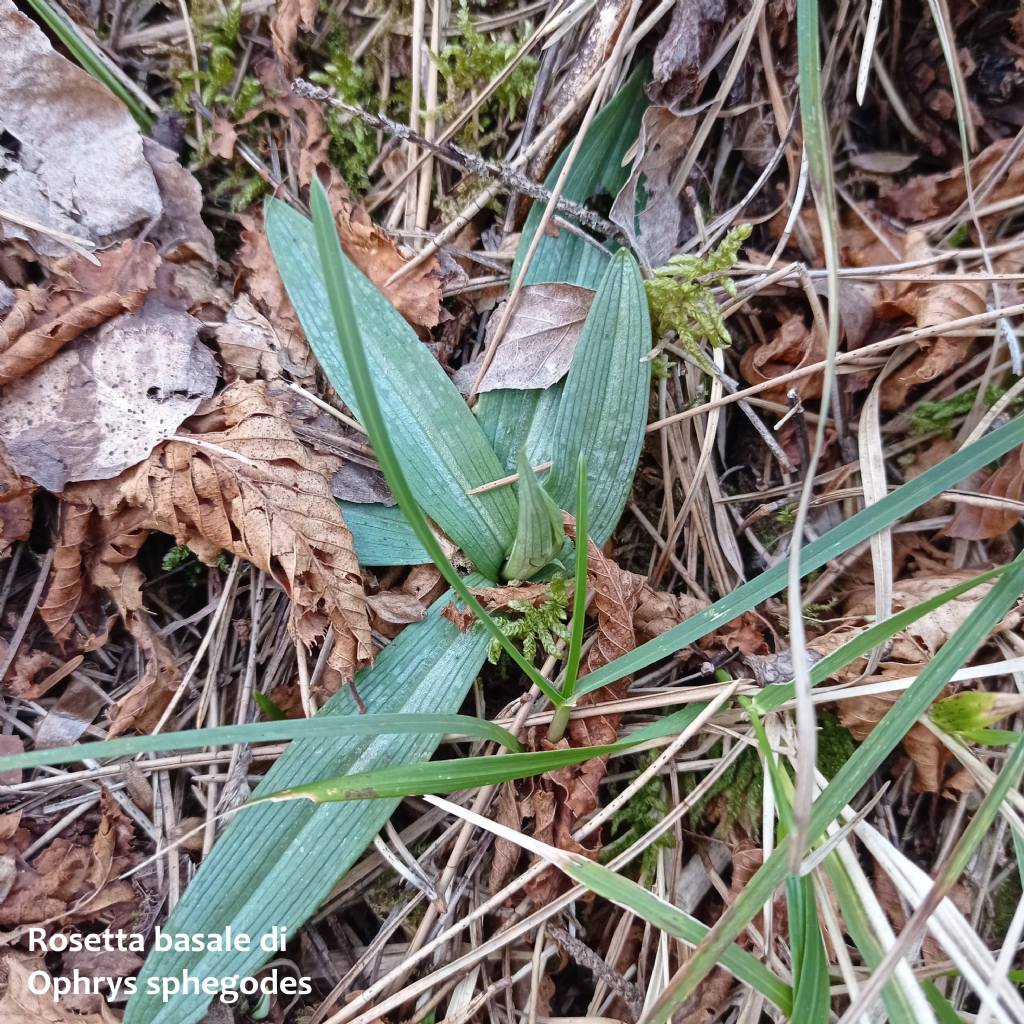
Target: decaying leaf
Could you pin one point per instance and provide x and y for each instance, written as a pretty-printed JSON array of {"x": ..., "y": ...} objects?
[
  {"x": 72, "y": 156},
  {"x": 926, "y": 751},
  {"x": 792, "y": 345},
  {"x": 284, "y": 29},
  {"x": 102, "y": 404},
  {"x": 239, "y": 481},
  {"x": 417, "y": 295},
  {"x": 72, "y": 881},
  {"x": 657, "y": 228},
  {"x": 976, "y": 522},
  {"x": 20, "y": 1004},
  {"x": 78, "y": 297},
  {"x": 682, "y": 50},
  {"x": 541, "y": 337},
  {"x": 252, "y": 350},
  {"x": 15, "y": 504}
]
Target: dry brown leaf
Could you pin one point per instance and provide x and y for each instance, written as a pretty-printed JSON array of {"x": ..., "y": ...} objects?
[
  {"x": 104, "y": 402},
  {"x": 239, "y": 482},
  {"x": 180, "y": 232},
  {"x": 78, "y": 297},
  {"x": 417, "y": 295},
  {"x": 538, "y": 344},
  {"x": 73, "y": 882},
  {"x": 975, "y": 522},
  {"x": 19, "y": 1004},
  {"x": 665, "y": 219},
  {"x": 265, "y": 286},
  {"x": 16, "y": 494},
  {"x": 252, "y": 350},
  {"x": 284, "y": 30},
  {"x": 675, "y": 76},
  {"x": 924, "y": 637},
  {"x": 791, "y": 346},
  {"x": 926, "y": 751},
  {"x": 72, "y": 157},
  {"x": 225, "y": 135}
]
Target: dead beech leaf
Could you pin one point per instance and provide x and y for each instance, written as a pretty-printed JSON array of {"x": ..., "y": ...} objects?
[
  {"x": 926, "y": 751},
  {"x": 78, "y": 297},
  {"x": 16, "y": 494},
  {"x": 103, "y": 403},
  {"x": 266, "y": 287},
  {"x": 657, "y": 228},
  {"x": 675, "y": 76},
  {"x": 417, "y": 295},
  {"x": 240, "y": 481},
  {"x": 72, "y": 156},
  {"x": 791, "y": 346},
  {"x": 20, "y": 1005},
  {"x": 542, "y": 333},
  {"x": 925, "y": 637},
  {"x": 250, "y": 347},
  {"x": 975, "y": 522},
  {"x": 284, "y": 30},
  {"x": 70, "y": 881},
  {"x": 180, "y": 231},
  {"x": 225, "y": 135}
]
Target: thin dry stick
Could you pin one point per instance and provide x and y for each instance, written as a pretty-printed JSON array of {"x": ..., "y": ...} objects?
[
  {"x": 463, "y": 159},
  {"x": 26, "y": 616}
]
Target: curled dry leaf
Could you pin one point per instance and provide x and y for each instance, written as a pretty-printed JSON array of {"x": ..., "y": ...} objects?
[
  {"x": 541, "y": 337},
  {"x": 284, "y": 30},
  {"x": 676, "y": 74},
  {"x": 656, "y": 229},
  {"x": 16, "y": 494},
  {"x": 69, "y": 881},
  {"x": 78, "y": 297},
  {"x": 21, "y": 1005},
  {"x": 72, "y": 157},
  {"x": 253, "y": 350},
  {"x": 791, "y": 346},
  {"x": 926, "y": 751},
  {"x": 103, "y": 403},
  {"x": 242, "y": 482},
  {"x": 976, "y": 522},
  {"x": 931, "y": 305}
]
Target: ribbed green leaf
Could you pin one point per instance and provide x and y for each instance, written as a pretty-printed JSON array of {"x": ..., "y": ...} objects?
[
  {"x": 276, "y": 865},
  {"x": 603, "y": 409},
  {"x": 382, "y": 534},
  {"x": 513, "y": 418},
  {"x": 540, "y": 535},
  {"x": 566, "y": 256},
  {"x": 440, "y": 445}
]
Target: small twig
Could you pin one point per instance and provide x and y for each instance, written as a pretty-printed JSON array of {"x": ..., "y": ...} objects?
[
  {"x": 506, "y": 480},
  {"x": 459, "y": 157}
]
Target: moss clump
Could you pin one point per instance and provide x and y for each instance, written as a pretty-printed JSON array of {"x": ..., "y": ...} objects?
[
  {"x": 544, "y": 624},
  {"x": 680, "y": 298},
  {"x": 636, "y": 818},
  {"x": 932, "y": 416},
  {"x": 474, "y": 61}
]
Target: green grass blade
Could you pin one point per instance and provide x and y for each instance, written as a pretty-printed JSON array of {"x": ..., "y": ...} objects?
[
  {"x": 853, "y": 775},
  {"x": 944, "y": 1012},
  {"x": 440, "y": 445},
  {"x": 836, "y": 542},
  {"x": 264, "y": 732},
  {"x": 472, "y": 772},
  {"x": 91, "y": 58},
  {"x": 811, "y": 1000},
  {"x": 347, "y": 330},
  {"x": 603, "y": 409}
]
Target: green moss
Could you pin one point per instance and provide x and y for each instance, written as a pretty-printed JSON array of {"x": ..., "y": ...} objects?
[
  {"x": 474, "y": 61},
  {"x": 680, "y": 298},
  {"x": 931, "y": 416},
  {"x": 1004, "y": 906},
  {"x": 353, "y": 146},
  {"x": 835, "y": 744},
  {"x": 636, "y": 818},
  {"x": 544, "y": 625}
]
